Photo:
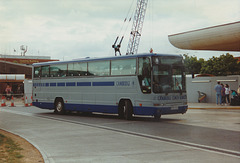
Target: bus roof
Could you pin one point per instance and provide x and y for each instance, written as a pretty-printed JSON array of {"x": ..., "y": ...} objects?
[{"x": 105, "y": 58}]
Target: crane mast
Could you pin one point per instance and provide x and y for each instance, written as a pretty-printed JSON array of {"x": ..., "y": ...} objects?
[{"x": 137, "y": 27}]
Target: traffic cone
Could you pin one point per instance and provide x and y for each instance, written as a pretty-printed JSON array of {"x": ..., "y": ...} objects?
[
  {"x": 31, "y": 101},
  {"x": 3, "y": 101},
  {"x": 26, "y": 103},
  {"x": 12, "y": 102}
]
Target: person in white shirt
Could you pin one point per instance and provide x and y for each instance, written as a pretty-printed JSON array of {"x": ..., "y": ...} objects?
[{"x": 227, "y": 92}]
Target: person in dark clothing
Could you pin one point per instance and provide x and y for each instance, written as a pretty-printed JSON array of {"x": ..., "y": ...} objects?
[
  {"x": 218, "y": 89},
  {"x": 223, "y": 95}
]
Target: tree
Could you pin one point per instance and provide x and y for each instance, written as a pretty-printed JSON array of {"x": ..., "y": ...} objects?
[
  {"x": 221, "y": 66},
  {"x": 192, "y": 64}
]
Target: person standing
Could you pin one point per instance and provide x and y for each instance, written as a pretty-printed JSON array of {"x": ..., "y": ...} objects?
[
  {"x": 227, "y": 92},
  {"x": 218, "y": 89},
  {"x": 223, "y": 95},
  {"x": 238, "y": 90}
]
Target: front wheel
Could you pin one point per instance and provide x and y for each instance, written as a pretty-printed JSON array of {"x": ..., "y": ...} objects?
[
  {"x": 157, "y": 117},
  {"x": 59, "y": 106}
]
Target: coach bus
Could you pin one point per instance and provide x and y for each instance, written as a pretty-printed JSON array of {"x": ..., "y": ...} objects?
[{"x": 142, "y": 84}]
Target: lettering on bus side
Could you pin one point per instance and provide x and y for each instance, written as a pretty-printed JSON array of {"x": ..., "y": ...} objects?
[
  {"x": 123, "y": 83},
  {"x": 173, "y": 97}
]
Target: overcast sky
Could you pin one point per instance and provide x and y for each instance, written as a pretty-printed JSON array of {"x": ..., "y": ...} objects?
[{"x": 70, "y": 29}]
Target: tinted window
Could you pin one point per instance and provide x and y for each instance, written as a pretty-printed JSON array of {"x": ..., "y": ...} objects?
[
  {"x": 45, "y": 71},
  {"x": 77, "y": 69},
  {"x": 58, "y": 70},
  {"x": 37, "y": 72},
  {"x": 100, "y": 68},
  {"x": 123, "y": 67}
]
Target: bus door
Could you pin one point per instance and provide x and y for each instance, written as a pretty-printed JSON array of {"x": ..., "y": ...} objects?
[{"x": 144, "y": 74}]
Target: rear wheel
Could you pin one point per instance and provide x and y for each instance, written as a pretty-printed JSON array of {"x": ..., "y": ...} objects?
[
  {"x": 127, "y": 110},
  {"x": 121, "y": 109},
  {"x": 59, "y": 106}
]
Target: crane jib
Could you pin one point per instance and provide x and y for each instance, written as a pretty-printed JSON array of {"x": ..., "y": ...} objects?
[{"x": 137, "y": 27}]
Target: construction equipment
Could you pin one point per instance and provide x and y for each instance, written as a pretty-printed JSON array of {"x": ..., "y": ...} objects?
[
  {"x": 117, "y": 47},
  {"x": 135, "y": 31},
  {"x": 137, "y": 27}
]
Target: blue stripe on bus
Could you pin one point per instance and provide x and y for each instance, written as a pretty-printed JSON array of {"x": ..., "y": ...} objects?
[
  {"x": 83, "y": 83},
  {"x": 80, "y": 107},
  {"x": 70, "y": 84},
  {"x": 103, "y": 83},
  {"x": 111, "y": 83},
  {"x": 53, "y": 84},
  {"x": 61, "y": 84}
]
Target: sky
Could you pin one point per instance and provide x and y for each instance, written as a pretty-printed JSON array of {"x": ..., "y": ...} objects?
[{"x": 71, "y": 29}]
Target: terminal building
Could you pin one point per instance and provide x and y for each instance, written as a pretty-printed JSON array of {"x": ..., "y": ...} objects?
[{"x": 14, "y": 69}]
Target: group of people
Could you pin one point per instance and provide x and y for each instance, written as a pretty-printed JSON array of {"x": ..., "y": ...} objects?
[{"x": 222, "y": 94}]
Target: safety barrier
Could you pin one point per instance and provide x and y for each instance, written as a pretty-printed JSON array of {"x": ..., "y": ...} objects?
[
  {"x": 12, "y": 102},
  {"x": 26, "y": 102},
  {"x": 3, "y": 103},
  {"x": 16, "y": 100}
]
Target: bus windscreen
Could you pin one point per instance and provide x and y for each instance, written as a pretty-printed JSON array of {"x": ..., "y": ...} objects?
[{"x": 168, "y": 75}]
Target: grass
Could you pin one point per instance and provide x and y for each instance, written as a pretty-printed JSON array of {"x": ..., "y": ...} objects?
[{"x": 9, "y": 150}]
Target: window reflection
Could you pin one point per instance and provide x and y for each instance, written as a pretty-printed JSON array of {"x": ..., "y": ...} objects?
[{"x": 168, "y": 75}]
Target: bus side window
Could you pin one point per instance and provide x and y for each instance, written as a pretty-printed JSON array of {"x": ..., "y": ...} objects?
[
  {"x": 99, "y": 68},
  {"x": 77, "y": 69},
  {"x": 58, "y": 70},
  {"x": 37, "y": 72},
  {"x": 123, "y": 67},
  {"x": 45, "y": 71}
]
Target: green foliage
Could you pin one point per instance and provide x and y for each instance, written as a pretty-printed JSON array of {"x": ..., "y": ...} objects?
[
  {"x": 221, "y": 66},
  {"x": 192, "y": 64},
  {"x": 218, "y": 66}
]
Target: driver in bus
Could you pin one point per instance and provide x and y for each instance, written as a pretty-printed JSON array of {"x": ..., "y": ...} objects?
[{"x": 146, "y": 76}]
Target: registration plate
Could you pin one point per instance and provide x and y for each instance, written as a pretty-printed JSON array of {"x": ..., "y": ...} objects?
[{"x": 174, "y": 108}]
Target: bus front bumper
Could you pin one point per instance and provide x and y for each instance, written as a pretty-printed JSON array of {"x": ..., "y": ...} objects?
[{"x": 160, "y": 110}]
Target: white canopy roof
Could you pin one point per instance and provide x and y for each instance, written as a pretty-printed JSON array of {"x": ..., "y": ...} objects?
[{"x": 224, "y": 37}]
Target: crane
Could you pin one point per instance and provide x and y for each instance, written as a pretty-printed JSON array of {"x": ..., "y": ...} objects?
[{"x": 137, "y": 27}]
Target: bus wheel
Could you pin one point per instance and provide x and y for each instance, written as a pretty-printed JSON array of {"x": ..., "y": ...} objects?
[
  {"x": 59, "y": 106},
  {"x": 127, "y": 110},
  {"x": 121, "y": 109},
  {"x": 157, "y": 117}
]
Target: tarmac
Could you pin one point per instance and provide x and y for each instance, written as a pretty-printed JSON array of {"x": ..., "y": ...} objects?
[
  {"x": 54, "y": 140},
  {"x": 210, "y": 106}
]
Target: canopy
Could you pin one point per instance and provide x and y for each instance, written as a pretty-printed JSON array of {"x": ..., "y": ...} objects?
[{"x": 224, "y": 37}]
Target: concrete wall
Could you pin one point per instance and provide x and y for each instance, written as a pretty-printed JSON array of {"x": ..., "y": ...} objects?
[{"x": 207, "y": 84}]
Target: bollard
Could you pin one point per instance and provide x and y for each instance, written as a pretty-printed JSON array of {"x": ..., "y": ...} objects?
[
  {"x": 31, "y": 101},
  {"x": 26, "y": 103},
  {"x": 12, "y": 102},
  {"x": 3, "y": 101}
]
